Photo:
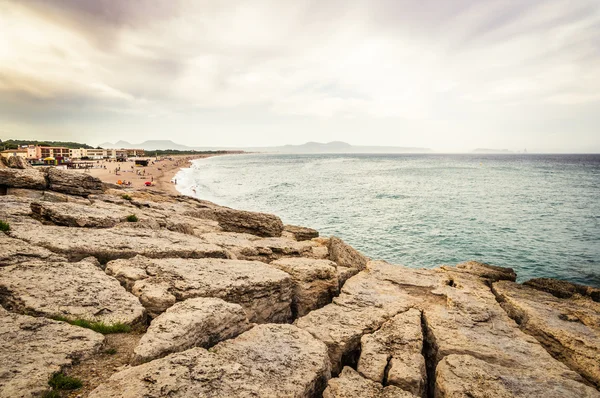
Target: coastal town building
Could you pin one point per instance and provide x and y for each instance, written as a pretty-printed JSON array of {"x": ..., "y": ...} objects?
[{"x": 22, "y": 153}]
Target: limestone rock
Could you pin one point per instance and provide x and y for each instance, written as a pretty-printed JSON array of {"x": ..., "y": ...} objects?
[
  {"x": 563, "y": 289},
  {"x": 32, "y": 349},
  {"x": 350, "y": 384},
  {"x": 23, "y": 178},
  {"x": 15, "y": 251},
  {"x": 393, "y": 353},
  {"x": 17, "y": 162},
  {"x": 467, "y": 376},
  {"x": 75, "y": 215},
  {"x": 491, "y": 272},
  {"x": 301, "y": 233},
  {"x": 345, "y": 255},
  {"x": 260, "y": 224},
  {"x": 315, "y": 282},
  {"x": 568, "y": 328},
  {"x": 196, "y": 322},
  {"x": 264, "y": 292},
  {"x": 73, "y": 183},
  {"x": 267, "y": 361},
  {"x": 109, "y": 244},
  {"x": 72, "y": 290},
  {"x": 250, "y": 247}
]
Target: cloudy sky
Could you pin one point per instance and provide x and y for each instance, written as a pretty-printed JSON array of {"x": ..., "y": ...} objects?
[{"x": 449, "y": 75}]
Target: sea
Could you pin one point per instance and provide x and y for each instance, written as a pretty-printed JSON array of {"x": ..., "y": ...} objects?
[{"x": 539, "y": 214}]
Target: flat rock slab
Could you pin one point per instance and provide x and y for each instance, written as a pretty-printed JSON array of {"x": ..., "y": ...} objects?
[
  {"x": 251, "y": 247},
  {"x": 315, "y": 282},
  {"x": 112, "y": 243},
  {"x": 32, "y": 349},
  {"x": 350, "y": 384},
  {"x": 393, "y": 354},
  {"x": 267, "y": 361},
  {"x": 568, "y": 328},
  {"x": 260, "y": 224},
  {"x": 486, "y": 271},
  {"x": 264, "y": 292},
  {"x": 563, "y": 289},
  {"x": 72, "y": 290},
  {"x": 196, "y": 322},
  {"x": 77, "y": 215},
  {"x": 15, "y": 251},
  {"x": 467, "y": 376}
]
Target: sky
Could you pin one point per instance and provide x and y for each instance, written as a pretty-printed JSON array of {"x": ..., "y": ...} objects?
[{"x": 448, "y": 75}]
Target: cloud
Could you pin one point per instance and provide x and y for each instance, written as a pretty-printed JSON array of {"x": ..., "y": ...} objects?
[{"x": 430, "y": 63}]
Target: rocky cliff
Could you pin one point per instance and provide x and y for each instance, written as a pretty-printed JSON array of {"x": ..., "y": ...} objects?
[{"x": 216, "y": 302}]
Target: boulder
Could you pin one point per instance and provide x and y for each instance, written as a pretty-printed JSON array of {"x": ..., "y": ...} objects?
[
  {"x": 260, "y": 224},
  {"x": 345, "y": 255},
  {"x": 264, "y": 292},
  {"x": 15, "y": 251},
  {"x": 266, "y": 361},
  {"x": 112, "y": 243},
  {"x": 301, "y": 233},
  {"x": 32, "y": 349},
  {"x": 315, "y": 282},
  {"x": 70, "y": 290},
  {"x": 563, "y": 289},
  {"x": 196, "y": 322},
  {"x": 17, "y": 162},
  {"x": 569, "y": 328},
  {"x": 73, "y": 183},
  {"x": 23, "y": 178},
  {"x": 393, "y": 354},
  {"x": 350, "y": 384}
]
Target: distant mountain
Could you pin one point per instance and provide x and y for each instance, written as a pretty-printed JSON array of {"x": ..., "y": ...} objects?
[
  {"x": 309, "y": 147},
  {"x": 342, "y": 147}
]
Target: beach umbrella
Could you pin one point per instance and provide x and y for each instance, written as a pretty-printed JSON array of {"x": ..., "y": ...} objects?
[{"x": 148, "y": 183}]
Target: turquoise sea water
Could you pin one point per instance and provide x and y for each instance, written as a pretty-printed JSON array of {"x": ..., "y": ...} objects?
[{"x": 539, "y": 214}]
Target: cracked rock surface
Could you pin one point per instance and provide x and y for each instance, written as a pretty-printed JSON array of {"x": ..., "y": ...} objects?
[
  {"x": 266, "y": 361},
  {"x": 32, "y": 349},
  {"x": 74, "y": 291},
  {"x": 350, "y": 384}
]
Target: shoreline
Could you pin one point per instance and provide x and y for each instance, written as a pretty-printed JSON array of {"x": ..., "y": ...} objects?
[{"x": 159, "y": 172}]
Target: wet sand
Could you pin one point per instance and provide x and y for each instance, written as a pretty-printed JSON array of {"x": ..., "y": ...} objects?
[{"x": 159, "y": 172}]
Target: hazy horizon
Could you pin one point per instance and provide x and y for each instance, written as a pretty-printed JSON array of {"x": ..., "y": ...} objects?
[{"x": 450, "y": 76}]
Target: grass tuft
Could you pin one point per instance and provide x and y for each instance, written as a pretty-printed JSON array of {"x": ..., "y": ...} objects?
[
  {"x": 127, "y": 197},
  {"x": 60, "y": 381},
  {"x": 111, "y": 351},
  {"x": 51, "y": 394},
  {"x": 4, "y": 226},
  {"x": 99, "y": 327},
  {"x": 132, "y": 218}
]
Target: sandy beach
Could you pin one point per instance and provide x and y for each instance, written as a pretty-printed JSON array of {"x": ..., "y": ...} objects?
[{"x": 159, "y": 172}]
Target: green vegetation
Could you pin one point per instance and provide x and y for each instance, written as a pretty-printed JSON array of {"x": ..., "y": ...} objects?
[
  {"x": 132, "y": 218},
  {"x": 51, "y": 394},
  {"x": 4, "y": 226},
  {"x": 14, "y": 144},
  {"x": 111, "y": 351},
  {"x": 60, "y": 381},
  {"x": 99, "y": 327},
  {"x": 127, "y": 197}
]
